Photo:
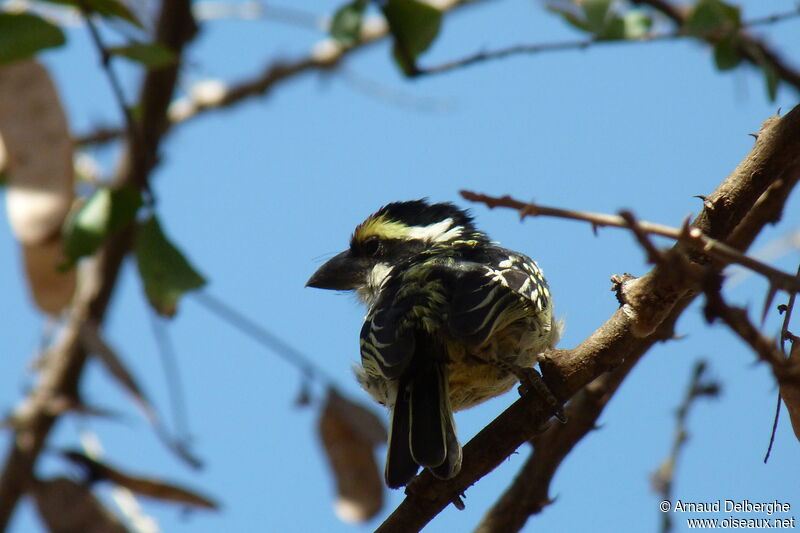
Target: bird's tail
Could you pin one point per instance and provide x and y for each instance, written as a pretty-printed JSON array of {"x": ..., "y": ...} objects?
[{"x": 422, "y": 429}]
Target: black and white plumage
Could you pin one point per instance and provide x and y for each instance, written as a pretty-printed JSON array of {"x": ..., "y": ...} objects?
[{"x": 450, "y": 316}]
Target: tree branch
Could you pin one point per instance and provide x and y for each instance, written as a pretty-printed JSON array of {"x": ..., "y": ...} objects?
[
  {"x": 668, "y": 292},
  {"x": 736, "y": 319},
  {"x": 35, "y": 417},
  {"x": 692, "y": 237},
  {"x": 529, "y": 493},
  {"x": 663, "y": 477}
]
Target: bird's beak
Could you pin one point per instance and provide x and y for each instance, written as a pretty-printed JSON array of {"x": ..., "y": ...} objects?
[{"x": 342, "y": 272}]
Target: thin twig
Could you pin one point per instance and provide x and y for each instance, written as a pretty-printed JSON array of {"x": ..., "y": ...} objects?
[
  {"x": 583, "y": 44},
  {"x": 169, "y": 362},
  {"x": 736, "y": 319},
  {"x": 392, "y": 96},
  {"x": 113, "y": 80},
  {"x": 774, "y": 427},
  {"x": 264, "y": 337},
  {"x": 787, "y": 317},
  {"x": 664, "y": 477},
  {"x": 692, "y": 236}
]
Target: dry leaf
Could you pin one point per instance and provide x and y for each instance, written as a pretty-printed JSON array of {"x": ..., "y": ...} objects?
[
  {"x": 38, "y": 164},
  {"x": 363, "y": 419},
  {"x": 38, "y": 149},
  {"x": 51, "y": 288},
  {"x": 152, "y": 488},
  {"x": 349, "y": 434},
  {"x": 66, "y": 507},
  {"x": 790, "y": 389}
]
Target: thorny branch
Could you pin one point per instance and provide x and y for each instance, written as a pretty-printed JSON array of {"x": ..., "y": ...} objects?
[
  {"x": 663, "y": 478},
  {"x": 691, "y": 236},
  {"x": 752, "y": 196},
  {"x": 529, "y": 493}
]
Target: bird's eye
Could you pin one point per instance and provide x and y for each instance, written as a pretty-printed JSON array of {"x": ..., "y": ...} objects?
[{"x": 371, "y": 246}]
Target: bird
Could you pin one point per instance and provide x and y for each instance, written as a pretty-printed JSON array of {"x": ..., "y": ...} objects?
[{"x": 453, "y": 320}]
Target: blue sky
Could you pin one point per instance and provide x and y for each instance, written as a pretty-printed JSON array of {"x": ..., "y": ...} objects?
[{"x": 260, "y": 195}]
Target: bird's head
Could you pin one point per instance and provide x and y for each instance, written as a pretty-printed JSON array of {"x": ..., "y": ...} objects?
[{"x": 396, "y": 232}]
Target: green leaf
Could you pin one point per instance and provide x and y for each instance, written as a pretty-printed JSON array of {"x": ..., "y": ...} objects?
[
  {"x": 771, "y": 76},
  {"x": 637, "y": 24},
  {"x": 165, "y": 272},
  {"x": 414, "y": 25},
  {"x": 24, "y": 34},
  {"x": 614, "y": 29},
  {"x": 772, "y": 79},
  {"x": 598, "y": 18},
  {"x": 104, "y": 8},
  {"x": 346, "y": 23},
  {"x": 125, "y": 203},
  {"x": 103, "y": 214},
  {"x": 710, "y": 16},
  {"x": 597, "y": 14},
  {"x": 151, "y": 55},
  {"x": 726, "y": 54}
]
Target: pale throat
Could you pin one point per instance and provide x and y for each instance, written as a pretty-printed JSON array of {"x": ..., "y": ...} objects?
[{"x": 368, "y": 293}]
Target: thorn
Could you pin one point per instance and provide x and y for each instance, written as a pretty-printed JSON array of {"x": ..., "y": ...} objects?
[
  {"x": 685, "y": 228},
  {"x": 528, "y": 211},
  {"x": 458, "y": 502},
  {"x": 768, "y": 303}
]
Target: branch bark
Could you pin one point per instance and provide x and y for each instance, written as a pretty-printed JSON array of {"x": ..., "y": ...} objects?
[
  {"x": 664, "y": 293},
  {"x": 529, "y": 493},
  {"x": 60, "y": 379}
]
